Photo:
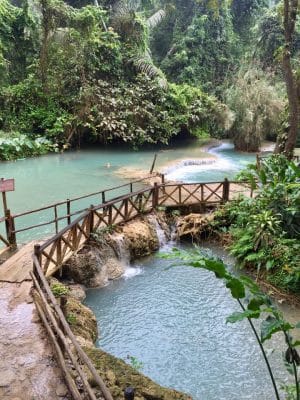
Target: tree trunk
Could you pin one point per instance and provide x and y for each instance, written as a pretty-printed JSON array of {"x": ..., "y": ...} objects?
[{"x": 287, "y": 141}]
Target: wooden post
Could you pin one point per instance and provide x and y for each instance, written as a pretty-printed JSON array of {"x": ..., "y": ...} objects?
[
  {"x": 91, "y": 220},
  {"x": 58, "y": 251},
  {"x": 55, "y": 218},
  {"x": 74, "y": 237},
  {"x": 155, "y": 197},
  {"x": 140, "y": 202},
  {"x": 4, "y": 202},
  {"x": 63, "y": 305},
  {"x": 153, "y": 164},
  {"x": 131, "y": 187},
  {"x": 225, "y": 196},
  {"x": 68, "y": 211},
  {"x": 257, "y": 162},
  {"x": 10, "y": 229},
  {"x": 126, "y": 209},
  {"x": 163, "y": 182},
  {"x": 37, "y": 253},
  {"x": 110, "y": 215},
  {"x": 103, "y": 197}
]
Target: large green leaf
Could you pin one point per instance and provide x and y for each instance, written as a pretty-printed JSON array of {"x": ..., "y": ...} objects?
[
  {"x": 255, "y": 303},
  {"x": 272, "y": 325},
  {"x": 236, "y": 287},
  {"x": 240, "y": 316}
]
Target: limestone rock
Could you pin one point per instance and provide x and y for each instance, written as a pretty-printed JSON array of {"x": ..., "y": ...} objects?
[
  {"x": 78, "y": 292},
  {"x": 118, "y": 376},
  {"x": 82, "y": 320},
  {"x": 6, "y": 377},
  {"x": 193, "y": 225},
  {"x": 61, "y": 390},
  {"x": 96, "y": 263},
  {"x": 142, "y": 238}
]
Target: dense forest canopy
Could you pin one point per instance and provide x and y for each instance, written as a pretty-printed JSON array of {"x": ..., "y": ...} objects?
[{"x": 82, "y": 71}]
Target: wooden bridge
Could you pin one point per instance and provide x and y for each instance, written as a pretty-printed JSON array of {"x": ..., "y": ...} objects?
[{"x": 50, "y": 256}]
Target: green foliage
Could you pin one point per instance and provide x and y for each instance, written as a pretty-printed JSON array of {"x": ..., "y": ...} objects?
[
  {"x": 16, "y": 146},
  {"x": 142, "y": 112},
  {"x": 135, "y": 363},
  {"x": 71, "y": 318},
  {"x": 205, "y": 53},
  {"x": 244, "y": 12},
  {"x": 265, "y": 230},
  {"x": 258, "y": 106},
  {"x": 58, "y": 289},
  {"x": 115, "y": 93}
]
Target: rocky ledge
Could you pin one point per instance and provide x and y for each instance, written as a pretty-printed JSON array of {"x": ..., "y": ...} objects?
[{"x": 106, "y": 256}]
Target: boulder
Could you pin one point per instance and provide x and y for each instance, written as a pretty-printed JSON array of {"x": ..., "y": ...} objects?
[
  {"x": 142, "y": 238},
  {"x": 93, "y": 266},
  {"x": 193, "y": 225}
]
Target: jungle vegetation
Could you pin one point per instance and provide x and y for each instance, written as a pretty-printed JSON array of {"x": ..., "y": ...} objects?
[{"x": 145, "y": 71}]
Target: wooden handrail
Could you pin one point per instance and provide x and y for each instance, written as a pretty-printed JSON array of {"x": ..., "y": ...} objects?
[
  {"x": 48, "y": 299},
  {"x": 12, "y": 231}
]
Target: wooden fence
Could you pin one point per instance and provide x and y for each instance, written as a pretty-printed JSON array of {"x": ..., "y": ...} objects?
[
  {"x": 57, "y": 250},
  {"x": 68, "y": 207}
]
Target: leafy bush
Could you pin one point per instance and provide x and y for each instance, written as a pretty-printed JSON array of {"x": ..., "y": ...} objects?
[
  {"x": 258, "y": 106},
  {"x": 265, "y": 230},
  {"x": 20, "y": 146},
  {"x": 58, "y": 289}
]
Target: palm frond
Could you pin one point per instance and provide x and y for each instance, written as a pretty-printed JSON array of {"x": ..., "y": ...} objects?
[
  {"x": 146, "y": 66},
  {"x": 156, "y": 18},
  {"x": 125, "y": 7}
]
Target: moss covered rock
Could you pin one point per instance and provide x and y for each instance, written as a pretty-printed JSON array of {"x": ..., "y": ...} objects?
[
  {"x": 117, "y": 375},
  {"x": 81, "y": 320}
]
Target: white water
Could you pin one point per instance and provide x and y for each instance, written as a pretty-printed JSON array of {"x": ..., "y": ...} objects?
[{"x": 227, "y": 163}]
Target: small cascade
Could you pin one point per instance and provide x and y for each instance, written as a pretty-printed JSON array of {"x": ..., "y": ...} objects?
[
  {"x": 161, "y": 234},
  {"x": 123, "y": 253},
  {"x": 121, "y": 249},
  {"x": 187, "y": 163}
]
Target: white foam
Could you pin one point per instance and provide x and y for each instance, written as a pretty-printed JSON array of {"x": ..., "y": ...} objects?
[{"x": 130, "y": 272}]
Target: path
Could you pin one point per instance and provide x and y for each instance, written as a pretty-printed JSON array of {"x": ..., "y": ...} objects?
[{"x": 28, "y": 370}]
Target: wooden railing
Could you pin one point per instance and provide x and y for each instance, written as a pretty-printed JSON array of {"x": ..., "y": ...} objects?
[
  {"x": 50, "y": 257},
  {"x": 57, "y": 250},
  {"x": 61, "y": 211},
  {"x": 69, "y": 353}
]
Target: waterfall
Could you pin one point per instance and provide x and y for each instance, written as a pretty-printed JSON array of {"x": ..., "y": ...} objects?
[
  {"x": 187, "y": 163},
  {"x": 161, "y": 234},
  {"x": 123, "y": 253},
  {"x": 121, "y": 249}
]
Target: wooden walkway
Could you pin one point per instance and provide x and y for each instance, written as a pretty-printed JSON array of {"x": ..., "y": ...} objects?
[{"x": 18, "y": 267}]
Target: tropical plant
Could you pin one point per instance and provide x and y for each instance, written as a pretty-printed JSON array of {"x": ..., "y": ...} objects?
[
  {"x": 20, "y": 146},
  {"x": 257, "y": 105},
  {"x": 265, "y": 229}
]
